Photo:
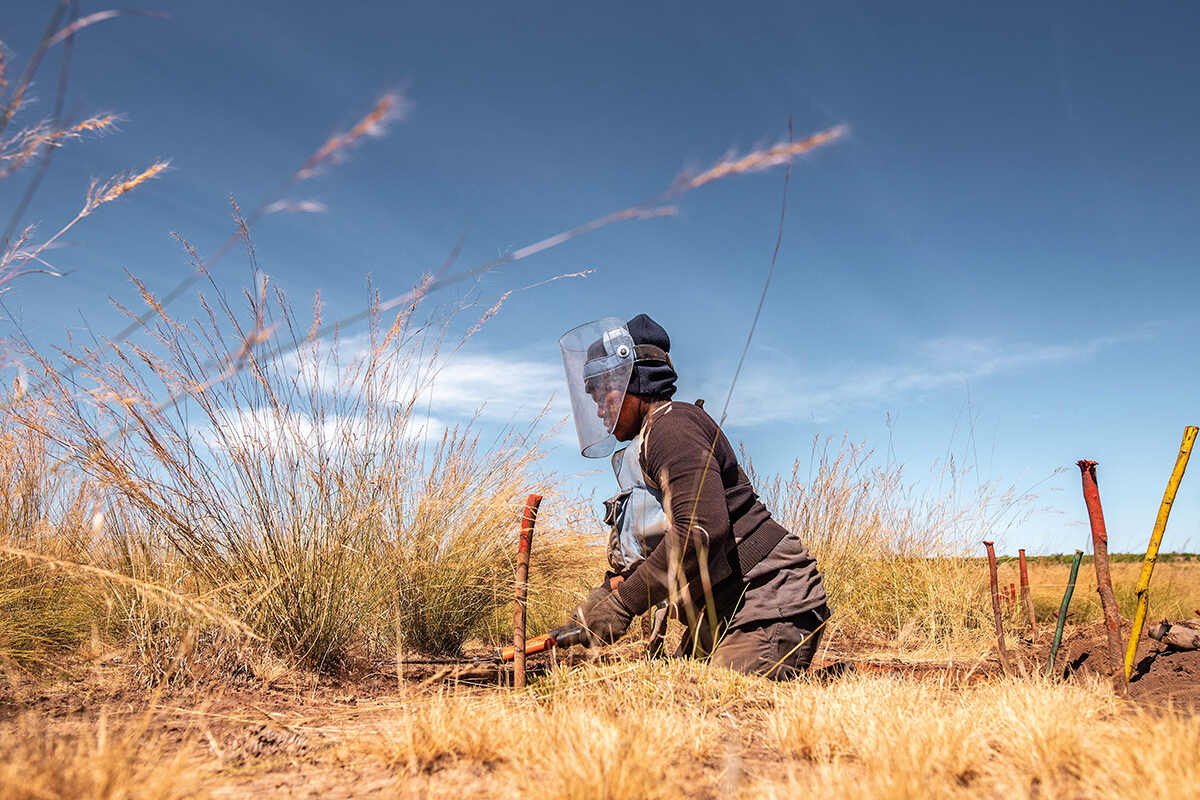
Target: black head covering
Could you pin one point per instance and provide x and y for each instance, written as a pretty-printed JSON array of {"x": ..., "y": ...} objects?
[{"x": 653, "y": 374}]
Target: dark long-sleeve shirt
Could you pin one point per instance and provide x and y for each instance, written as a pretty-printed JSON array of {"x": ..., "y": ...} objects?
[{"x": 712, "y": 507}]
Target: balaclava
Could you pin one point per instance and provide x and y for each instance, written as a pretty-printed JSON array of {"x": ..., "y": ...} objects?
[{"x": 653, "y": 373}]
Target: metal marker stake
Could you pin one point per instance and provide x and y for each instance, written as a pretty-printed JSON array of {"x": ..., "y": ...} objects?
[
  {"x": 525, "y": 543},
  {"x": 1062, "y": 612}
]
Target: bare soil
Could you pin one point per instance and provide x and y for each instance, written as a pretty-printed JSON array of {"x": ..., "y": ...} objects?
[
  {"x": 1162, "y": 676},
  {"x": 288, "y": 738}
]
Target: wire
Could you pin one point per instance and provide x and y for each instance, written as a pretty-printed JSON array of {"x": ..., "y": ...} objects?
[{"x": 787, "y": 175}]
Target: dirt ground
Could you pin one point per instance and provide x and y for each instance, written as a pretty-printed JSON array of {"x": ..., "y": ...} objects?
[
  {"x": 244, "y": 741},
  {"x": 297, "y": 737},
  {"x": 1161, "y": 676}
]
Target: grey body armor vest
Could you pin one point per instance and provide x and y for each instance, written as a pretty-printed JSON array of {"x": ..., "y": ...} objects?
[{"x": 635, "y": 515}]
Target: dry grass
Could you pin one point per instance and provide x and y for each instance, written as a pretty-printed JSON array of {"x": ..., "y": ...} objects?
[
  {"x": 895, "y": 562},
  {"x": 1174, "y": 591},
  {"x": 903, "y": 571},
  {"x": 894, "y": 738},
  {"x": 44, "y": 612},
  {"x": 21, "y": 254},
  {"x": 677, "y": 729},
  {"x": 650, "y": 730},
  {"x": 308, "y": 496},
  {"x": 630, "y": 731},
  {"x": 107, "y": 761}
]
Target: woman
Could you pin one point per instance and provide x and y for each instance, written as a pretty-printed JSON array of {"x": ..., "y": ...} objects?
[{"x": 748, "y": 588}]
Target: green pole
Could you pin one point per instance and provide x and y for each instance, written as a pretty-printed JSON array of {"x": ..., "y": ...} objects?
[{"x": 1062, "y": 612}]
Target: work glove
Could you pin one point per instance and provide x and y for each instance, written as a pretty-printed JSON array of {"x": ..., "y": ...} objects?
[
  {"x": 595, "y": 596},
  {"x": 611, "y": 581},
  {"x": 603, "y": 616}
]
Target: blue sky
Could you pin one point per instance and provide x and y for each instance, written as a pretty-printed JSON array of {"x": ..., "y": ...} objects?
[{"x": 999, "y": 260}]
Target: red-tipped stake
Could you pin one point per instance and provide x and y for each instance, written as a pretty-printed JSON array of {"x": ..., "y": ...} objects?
[
  {"x": 1026, "y": 597},
  {"x": 995, "y": 584},
  {"x": 1112, "y": 615},
  {"x": 524, "y": 545}
]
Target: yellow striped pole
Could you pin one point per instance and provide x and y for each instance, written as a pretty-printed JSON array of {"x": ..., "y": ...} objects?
[{"x": 1160, "y": 526}]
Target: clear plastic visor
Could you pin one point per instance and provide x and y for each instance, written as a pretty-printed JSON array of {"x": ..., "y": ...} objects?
[{"x": 598, "y": 360}]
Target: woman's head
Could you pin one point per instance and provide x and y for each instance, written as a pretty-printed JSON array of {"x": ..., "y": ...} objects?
[{"x": 615, "y": 370}]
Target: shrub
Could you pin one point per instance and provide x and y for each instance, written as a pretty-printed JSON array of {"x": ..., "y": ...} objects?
[
  {"x": 302, "y": 488},
  {"x": 44, "y": 611}
]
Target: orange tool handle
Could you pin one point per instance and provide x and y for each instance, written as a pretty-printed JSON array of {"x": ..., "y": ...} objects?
[
  {"x": 538, "y": 644},
  {"x": 564, "y": 636}
]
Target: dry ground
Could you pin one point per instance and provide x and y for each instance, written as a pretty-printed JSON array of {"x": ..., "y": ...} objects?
[
  {"x": 626, "y": 728},
  {"x": 905, "y": 722}
]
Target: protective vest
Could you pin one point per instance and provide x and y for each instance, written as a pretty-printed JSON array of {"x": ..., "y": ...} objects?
[{"x": 635, "y": 515}]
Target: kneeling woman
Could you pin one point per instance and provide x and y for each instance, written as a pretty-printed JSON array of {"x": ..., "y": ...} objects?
[{"x": 748, "y": 588}]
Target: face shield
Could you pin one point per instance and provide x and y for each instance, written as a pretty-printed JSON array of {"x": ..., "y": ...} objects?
[{"x": 598, "y": 358}]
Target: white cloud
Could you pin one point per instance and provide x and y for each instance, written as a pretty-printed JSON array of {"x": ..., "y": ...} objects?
[
  {"x": 264, "y": 429},
  {"x": 442, "y": 391},
  {"x": 491, "y": 387},
  {"x": 770, "y": 393},
  {"x": 505, "y": 389}
]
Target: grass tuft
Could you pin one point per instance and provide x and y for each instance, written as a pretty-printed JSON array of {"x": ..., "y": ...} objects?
[{"x": 311, "y": 500}]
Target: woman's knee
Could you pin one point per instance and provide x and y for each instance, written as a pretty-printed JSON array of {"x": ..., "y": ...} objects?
[{"x": 781, "y": 649}]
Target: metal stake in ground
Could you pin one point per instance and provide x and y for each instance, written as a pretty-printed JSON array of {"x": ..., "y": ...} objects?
[
  {"x": 995, "y": 584},
  {"x": 1026, "y": 597},
  {"x": 1062, "y": 612},
  {"x": 528, "y": 516},
  {"x": 1112, "y": 615},
  {"x": 1160, "y": 526}
]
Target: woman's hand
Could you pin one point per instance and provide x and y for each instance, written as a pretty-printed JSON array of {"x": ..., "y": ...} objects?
[{"x": 603, "y": 616}]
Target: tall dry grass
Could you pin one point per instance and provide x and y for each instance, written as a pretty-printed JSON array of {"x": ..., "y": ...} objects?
[
  {"x": 895, "y": 561},
  {"x": 45, "y": 612},
  {"x": 310, "y": 496},
  {"x": 455, "y": 566}
]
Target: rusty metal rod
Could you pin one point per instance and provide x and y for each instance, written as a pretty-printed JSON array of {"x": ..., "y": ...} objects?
[
  {"x": 1026, "y": 596},
  {"x": 995, "y": 585},
  {"x": 1112, "y": 614},
  {"x": 1062, "y": 612},
  {"x": 524, "y": 545}
]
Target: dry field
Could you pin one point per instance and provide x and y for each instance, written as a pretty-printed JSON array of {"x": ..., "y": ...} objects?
[
  {"x": 142, "y": 660},
  {"x": 234, "y": 602},
  {"x": 631, "y": 729},
  {"x": 231, "y": 543}
]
